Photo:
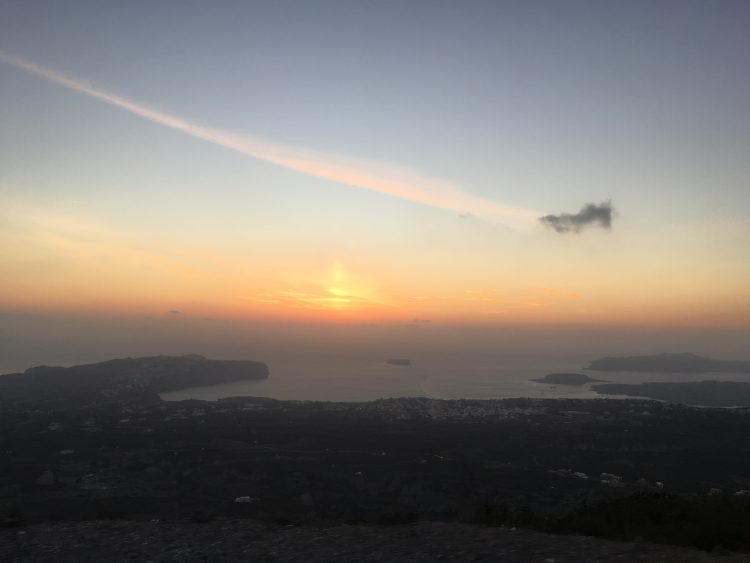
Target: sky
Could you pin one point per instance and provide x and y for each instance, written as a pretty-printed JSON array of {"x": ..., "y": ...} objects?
[{"x": 435, "y": 164}]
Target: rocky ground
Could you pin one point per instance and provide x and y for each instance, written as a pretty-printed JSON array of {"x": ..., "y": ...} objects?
[{"x": 243, "y": 540}]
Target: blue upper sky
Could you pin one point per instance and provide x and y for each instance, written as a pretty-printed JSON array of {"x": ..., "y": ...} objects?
[
  {"x": 541, "y": 94},
  {"x": 539, "y": 105}
]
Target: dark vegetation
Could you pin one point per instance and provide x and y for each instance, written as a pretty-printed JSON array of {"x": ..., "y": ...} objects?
[{"x": 703, "y": 523}]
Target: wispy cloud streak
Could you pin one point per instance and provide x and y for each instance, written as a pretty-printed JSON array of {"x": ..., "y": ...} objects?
[{"x": 386, "y": 178}]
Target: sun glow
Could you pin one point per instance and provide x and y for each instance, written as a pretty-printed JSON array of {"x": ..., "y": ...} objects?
[{"x": 336, "y": 291}]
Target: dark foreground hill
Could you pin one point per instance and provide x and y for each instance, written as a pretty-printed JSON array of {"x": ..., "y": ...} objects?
[
  {"x": 99, "y": 447},
  {"x": 617, "y": 469},
  {"x": 670, "y": 363}
]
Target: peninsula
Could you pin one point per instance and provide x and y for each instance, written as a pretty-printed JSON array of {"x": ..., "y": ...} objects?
[
  {"x": 696, "y": 393},
  {"x": 122, "y": 380},
  {"x": 670, "y": 363}
]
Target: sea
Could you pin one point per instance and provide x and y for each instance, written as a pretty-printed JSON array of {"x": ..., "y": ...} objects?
[{"x": 356, "y": 379}]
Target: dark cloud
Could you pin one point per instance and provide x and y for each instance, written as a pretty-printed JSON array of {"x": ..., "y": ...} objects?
[
  {"x": 591, "y": 215},
  {"x": 174, "y": 312}
]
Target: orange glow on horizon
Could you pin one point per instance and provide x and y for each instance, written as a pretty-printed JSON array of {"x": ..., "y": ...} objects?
[{"x": 65, "y": 264}]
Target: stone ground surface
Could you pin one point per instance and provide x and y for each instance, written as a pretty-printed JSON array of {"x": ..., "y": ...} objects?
[{"x": 243, "y": 540}]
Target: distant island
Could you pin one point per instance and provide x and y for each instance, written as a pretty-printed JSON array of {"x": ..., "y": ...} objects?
[
  {"x": 124, "y": 379},
  {"x": 696, "y": 393},
  {"x": 670, "y": 363},
  {"x": 566, "y": 379},
  {"x": 398, "y": 362}
]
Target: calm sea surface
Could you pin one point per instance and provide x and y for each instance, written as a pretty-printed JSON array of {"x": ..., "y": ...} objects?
[{"x": 366, "y": 379}]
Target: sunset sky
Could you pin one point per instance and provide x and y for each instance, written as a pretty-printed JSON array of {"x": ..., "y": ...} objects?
[{"x": 377, "y": 162}]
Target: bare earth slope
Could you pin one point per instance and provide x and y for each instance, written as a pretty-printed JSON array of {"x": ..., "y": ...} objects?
[{"x": 242, "y": 540}]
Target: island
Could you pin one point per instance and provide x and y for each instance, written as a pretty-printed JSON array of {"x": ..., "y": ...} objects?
[
  {"x": 566, "y": 379},
  {"x": 670, "y": 363},
  {"x": 398, "y": 362},
  {"x": 124, "y": 379}
]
